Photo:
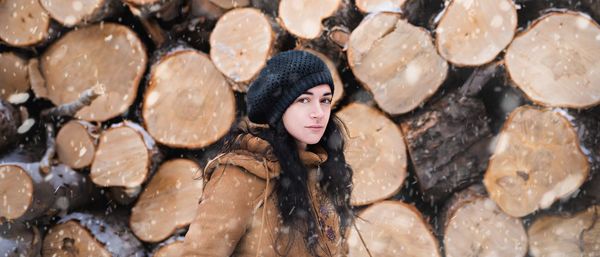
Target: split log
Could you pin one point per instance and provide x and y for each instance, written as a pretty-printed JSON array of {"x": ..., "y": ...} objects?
[
  {"x": 106, "y": 54},
  {"x": 448, "y": 144},
  {"x": 29, "y": 193},
  {"x": 188, "y": 103},
  {"x": 163, "y": 9},
  {"x": 10, "y": 121},
  {"x": 19, "y": 239},
  {"x": 392, "y": 228},
  {"x": 537, "y": 160},
  {"x": 472, "y": 33},
  {"x": 241, "y": 42},
  {"x": 82, "y": 234},
  {"x": 556, "y": 62},
  {"x": 13, "y": 75},
  {"x": 76, "y": 144},
  {"x": 370, "y": 6},
  {"x": 376, "y": 152},
  {"x": 475, "y": 226},
  {"x": 228, "y": 4},
  {"x": 126, "y": 157},
  {"x": 168, "y": 202},
  {"x": 338, "y": 84},
  {"x": 71, "y": 13},
  {"x": 23, "y": 23},
  {"x": 572, "y": 235},
  {"x": 395, "y": 61}
]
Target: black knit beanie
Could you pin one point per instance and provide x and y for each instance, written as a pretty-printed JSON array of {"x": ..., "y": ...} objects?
[{"x": 285, "y": 77}]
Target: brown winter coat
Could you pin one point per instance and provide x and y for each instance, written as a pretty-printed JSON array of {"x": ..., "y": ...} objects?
[{"x": 233, "y": 219}]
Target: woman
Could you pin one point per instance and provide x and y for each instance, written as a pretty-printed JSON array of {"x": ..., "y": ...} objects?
[{"x": 281, "y": 188}]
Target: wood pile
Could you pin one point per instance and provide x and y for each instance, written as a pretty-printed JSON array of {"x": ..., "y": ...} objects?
[{"x": 474, "y": 125}]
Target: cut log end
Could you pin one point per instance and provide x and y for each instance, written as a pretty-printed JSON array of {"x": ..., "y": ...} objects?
[
  {"x": 303, "y": 19},
  {"x": 396, "y": 61},
  {"x": 228, "y": 4},
  {"x": 477, "y": 227},
  {"x": 371, "y": 6},
  {"x": 72, "y": 239},
  {"x": 174, "y": 249},
  {"x": 188, "y": 102},
  {"x": 392, "y": 228},
  {"x": 70, "y": 13},
  {"x": 114, "y": 58},
  {"x": 13, "y": 74},
  {"x": 16, "y": 188},
  {"x": 537, "y": 160},
  {"x": 122, "y": 159},
  {"x": 23, "y": 23},
  {"x": 376, "y": 152},
  {"x": 75, "y": 145},
  {"x": 168, "y": 202},
  {"x": 473, "y": 33},
  {"x": 241, "y": 41},
  {"x": 556, "y": 61}
]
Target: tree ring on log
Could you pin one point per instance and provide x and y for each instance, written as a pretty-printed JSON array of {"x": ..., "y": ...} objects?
[{"x": 556, "y": 62}]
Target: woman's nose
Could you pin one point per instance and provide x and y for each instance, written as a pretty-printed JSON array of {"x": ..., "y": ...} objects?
[{"x": 317, "y": 111}]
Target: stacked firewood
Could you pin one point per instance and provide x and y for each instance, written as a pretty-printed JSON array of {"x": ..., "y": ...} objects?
[{"x": 474, "y": 125}]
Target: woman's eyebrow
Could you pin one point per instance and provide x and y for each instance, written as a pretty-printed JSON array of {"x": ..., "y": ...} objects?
[{"x": 310, "y": 93}]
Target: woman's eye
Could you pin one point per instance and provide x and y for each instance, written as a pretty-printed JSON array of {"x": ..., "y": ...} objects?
[
  {"x": 303, "y": 100},
  {"x": 327, "y": 101}
]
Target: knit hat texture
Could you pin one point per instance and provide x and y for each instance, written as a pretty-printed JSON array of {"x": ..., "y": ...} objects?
[{"x": 285, "y": 77}]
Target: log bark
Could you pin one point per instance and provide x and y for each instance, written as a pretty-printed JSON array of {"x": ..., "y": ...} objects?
[
  {"x": 392, "y": 228},
  {"x": 107, "y": 54},
  {"x": 566, "y": 235},
  {"x": 168, "y": 202},
  {"x": 10, "y": 121},
  {"x": 448, "y": 144},
  {"x": 240, "y": 48},
  {"x": 396, "y": 61},
  {"x": 475, "y": 226},
  {"x": 19, "y": 240},
  {"x": 126, "y": 157},
  {"x": 72, "y": 13},
  {"x": 23, "y": 23},
  {"x": 537, "y": 159},
  {"x": 554, "y": 66},
  {"x": 472, "y": 33},
  {"x": 76, "y": 143},
  {"x": 31, "y": 193},
  {"x": 376, "y": 152},
  {"x": 83, "y": 234},
  {"x": 188, "y": 103},
  {"x": 13, "y": 75}
]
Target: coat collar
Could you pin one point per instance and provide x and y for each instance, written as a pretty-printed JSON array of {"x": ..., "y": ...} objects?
[{"x": 256, "y": 156}]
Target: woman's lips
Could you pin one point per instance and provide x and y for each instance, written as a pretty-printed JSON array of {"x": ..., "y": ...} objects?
[{"x": 315, "y": 128}]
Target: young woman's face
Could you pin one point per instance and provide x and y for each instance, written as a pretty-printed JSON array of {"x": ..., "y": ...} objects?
[{"x": 306, "y": 118}]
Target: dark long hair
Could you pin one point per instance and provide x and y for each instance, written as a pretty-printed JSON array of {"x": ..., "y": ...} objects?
[{"x": 292, "y": 190}]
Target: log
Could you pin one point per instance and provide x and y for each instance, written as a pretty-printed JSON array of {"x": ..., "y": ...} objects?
[
  {"x": 83, "y": 234},
  {"x": 188, "y": 103},
  {"x": 29, "y": 193},
  {"x": 392, "y": 228},
  {"x": 72, "y": 13},
  {"x": 447, "y": 143},
  {"x": 76, "y": 143},
  {"x": 168, "y": 203},
  {"x": 375, "y": 151},
  {"x": 125, "y": 158},
  {"x": 371, "y": 6},
  {"x": 241, "y": 42},
  {"x": 19, "y": 240},
  {"x": 475, "y": 226},
  {"x": 163, "y": 9},
  {"x": 107, "y": 54},
  {"x": 396, "y": 61},
  {"x": 566, "y": 235},
  {"x": 174, "y": 249},
  {"x": 537, "y": 159},
  {"x": 229, "y": 4},
  {"x": 10, "y": 121},
  {"x": 556, "y": 61},
  {"x": 472, "y": 33},
  {"x": 13, "y": 75},
  {"x": 23, "y": 23}
]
